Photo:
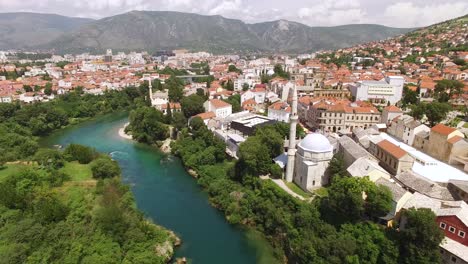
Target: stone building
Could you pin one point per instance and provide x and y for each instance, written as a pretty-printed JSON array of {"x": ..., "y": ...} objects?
[
  {"x": 405, "y": 128},
  {"x": 443, "y": 142},
  {"x": 389, "y": 113},
  {"x": 313, "y": 156},
  {"x": 393, "y": 158},
  {"x": 342, "y": 116}
]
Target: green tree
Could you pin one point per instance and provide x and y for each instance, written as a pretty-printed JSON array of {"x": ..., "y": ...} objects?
[
  {"x": 420, "y": 237},
  {"x": 337, "y": 166},
  {"x": 447, "y": 87},
  {"x": 104, "y": 167},
  {"x": 192, "y": 105},
  {"x": 229, "y": 85},
  {"x": 436, "y": 112},
  {"x": 179, "y": 121},
  {"x": 146, "y": 125},
  {"x": 234, "y": 101},
  {"x": 233, "y": 68},
  {"x": 49, "y": 208},
  {"x": 176, "y": 89},
  {"x": 378, "y": 201},
  {"x": 410, "y": 97},
  {"x": 80, "y": 153},
  {"x": 48, "y": 88},
  {"x": 49, "y": 158},
  {"x": 245, "y": 87}
]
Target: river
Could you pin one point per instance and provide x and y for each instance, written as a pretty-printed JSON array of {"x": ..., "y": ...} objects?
[{"x": 169, "y": 196}]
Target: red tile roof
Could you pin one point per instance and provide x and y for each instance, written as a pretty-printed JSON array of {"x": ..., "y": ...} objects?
[
  {"x": 443, "y": 129},
  {"x": 206, "y": 115},
  {"x": 392, "y": 108},
  {"x": 454, "y": 139},
  {"x": 219, "y": 104},
  {"x": 392, "y": 149}
]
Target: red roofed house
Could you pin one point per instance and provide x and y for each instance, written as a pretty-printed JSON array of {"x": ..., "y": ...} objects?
[
  {"x": 206, "y": 117},
  {"x": 445, "y": 143},
  {"x": 279, "y": 111},
  {"x": 219, "y": 107},
  {"x": 393, "y": 158},
  {"x": 250, "y": 105},
  {"x": 389, "y": 113}
]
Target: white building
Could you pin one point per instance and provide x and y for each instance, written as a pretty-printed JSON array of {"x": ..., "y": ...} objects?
[
  {"x": 389, "y": 89},
  {"x": 218, "y": 107},
  {"x": 279, "y": 111},
  {"x": 313, "y": 155}
]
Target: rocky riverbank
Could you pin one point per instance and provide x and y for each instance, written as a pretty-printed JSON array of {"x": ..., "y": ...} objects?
[{"x": 123, "y": 134}]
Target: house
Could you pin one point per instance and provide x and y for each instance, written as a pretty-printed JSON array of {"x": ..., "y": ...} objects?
[
  {"x": 219, "y": 107},
  {"x": 399, "y": 198},
  {"x": 452, "y": 219},
  {"x": 389, "y": 113},
  {"x": 367, "y": 167},
  {"x": 250, "y": 105},
  {"x": 279, "y": 111},
  {"x": 379, "y": 92},
  {"x": 460, "y": 188},
  {"x": 442, "y": 140},
  {"x": 405, "y": 128},
  {"x": 206, "y": 117},
  {"x": 175, "y": 107},
  {"x": 393, "y": 158}
]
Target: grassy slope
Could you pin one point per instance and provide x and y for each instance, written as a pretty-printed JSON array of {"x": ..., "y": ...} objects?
[{"x": 10, "y": 169}]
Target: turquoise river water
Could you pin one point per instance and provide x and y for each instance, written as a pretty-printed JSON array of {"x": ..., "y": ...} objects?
[{"x": 169, "y": 196}]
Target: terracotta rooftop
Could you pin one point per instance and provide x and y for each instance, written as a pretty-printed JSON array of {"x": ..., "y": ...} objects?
[
  {"x": 392, "y": 149},
  {"x": 219, "y": 104},
  {"x": 392, "y": 108},
  {"x": 454, "y": 139},
  {"x": 443, "y": 129},
  {"x": 206, "y": 115}
]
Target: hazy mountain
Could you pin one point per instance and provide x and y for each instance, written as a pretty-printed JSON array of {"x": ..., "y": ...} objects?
[
  {"x": 23, "y": 30},
  {"x": 155, "y": 30}
]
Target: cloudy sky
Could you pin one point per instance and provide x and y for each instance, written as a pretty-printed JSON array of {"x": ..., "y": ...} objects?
[{"x": 404, "y": 13}]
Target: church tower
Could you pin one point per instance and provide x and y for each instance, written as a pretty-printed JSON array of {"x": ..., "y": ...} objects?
[{"x": 292, "y": 138}]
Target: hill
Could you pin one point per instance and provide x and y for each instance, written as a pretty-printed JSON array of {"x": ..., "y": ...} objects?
[
  {"x": 155, "y": 30},
  {"x": 27, "y": 30}
]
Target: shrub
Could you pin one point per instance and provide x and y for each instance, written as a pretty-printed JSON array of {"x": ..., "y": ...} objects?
[
  {"x": 82, "y": 154},
  {"x": 104, "y": 167}
]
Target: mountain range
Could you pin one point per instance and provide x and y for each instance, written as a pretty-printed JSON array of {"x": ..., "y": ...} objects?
[{"x": 156, "y": 30}]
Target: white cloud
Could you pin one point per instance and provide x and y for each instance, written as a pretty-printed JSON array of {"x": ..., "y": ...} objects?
[
  {"x": 406, "y": 14},
  {"x": 331, "y": 13}
]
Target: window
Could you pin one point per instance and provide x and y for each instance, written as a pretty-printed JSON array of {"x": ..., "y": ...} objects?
[
  {"x": 313, "y": 183},
  {"x": 452, "y": 229},
  {"x": 461, "y": 234},
  {"x": 454, "y": 259},
  {"x": 442, "y": 225}
]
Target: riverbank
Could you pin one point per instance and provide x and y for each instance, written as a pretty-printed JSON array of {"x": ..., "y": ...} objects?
[
  {"x": 123, "y": 134},
  {"x": 166, "y": 194}
]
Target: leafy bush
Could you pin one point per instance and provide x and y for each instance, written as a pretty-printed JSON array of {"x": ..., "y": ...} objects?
[
  {"x": 104, "y": 167},
  {"x": 80, "y": 153}
]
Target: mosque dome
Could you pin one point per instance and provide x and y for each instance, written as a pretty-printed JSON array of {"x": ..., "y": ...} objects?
[{"x": 316, "y": 143}]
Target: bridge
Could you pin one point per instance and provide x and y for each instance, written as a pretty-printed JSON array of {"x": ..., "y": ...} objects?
[{"x": 190, "y": 77}]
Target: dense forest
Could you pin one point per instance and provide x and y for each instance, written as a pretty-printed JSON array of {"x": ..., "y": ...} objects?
[
  {"x": 69, "y": 206},
  {"x": 335, "y": 228}
]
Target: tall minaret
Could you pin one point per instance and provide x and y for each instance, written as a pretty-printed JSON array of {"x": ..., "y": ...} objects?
[
  {"x": 150, "y": 85},
  {"x": 292, "y": 138}
]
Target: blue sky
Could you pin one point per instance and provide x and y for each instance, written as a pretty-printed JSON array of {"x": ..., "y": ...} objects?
[{"x": 404, "y": 13}]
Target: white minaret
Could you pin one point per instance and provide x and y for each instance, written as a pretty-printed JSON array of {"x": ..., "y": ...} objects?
[
  {"x": 150, "y": 91},
  {"x": 292, "y": 138}
]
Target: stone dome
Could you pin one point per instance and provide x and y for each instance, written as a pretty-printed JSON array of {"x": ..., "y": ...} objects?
[{"x": 316, "y": 143}]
